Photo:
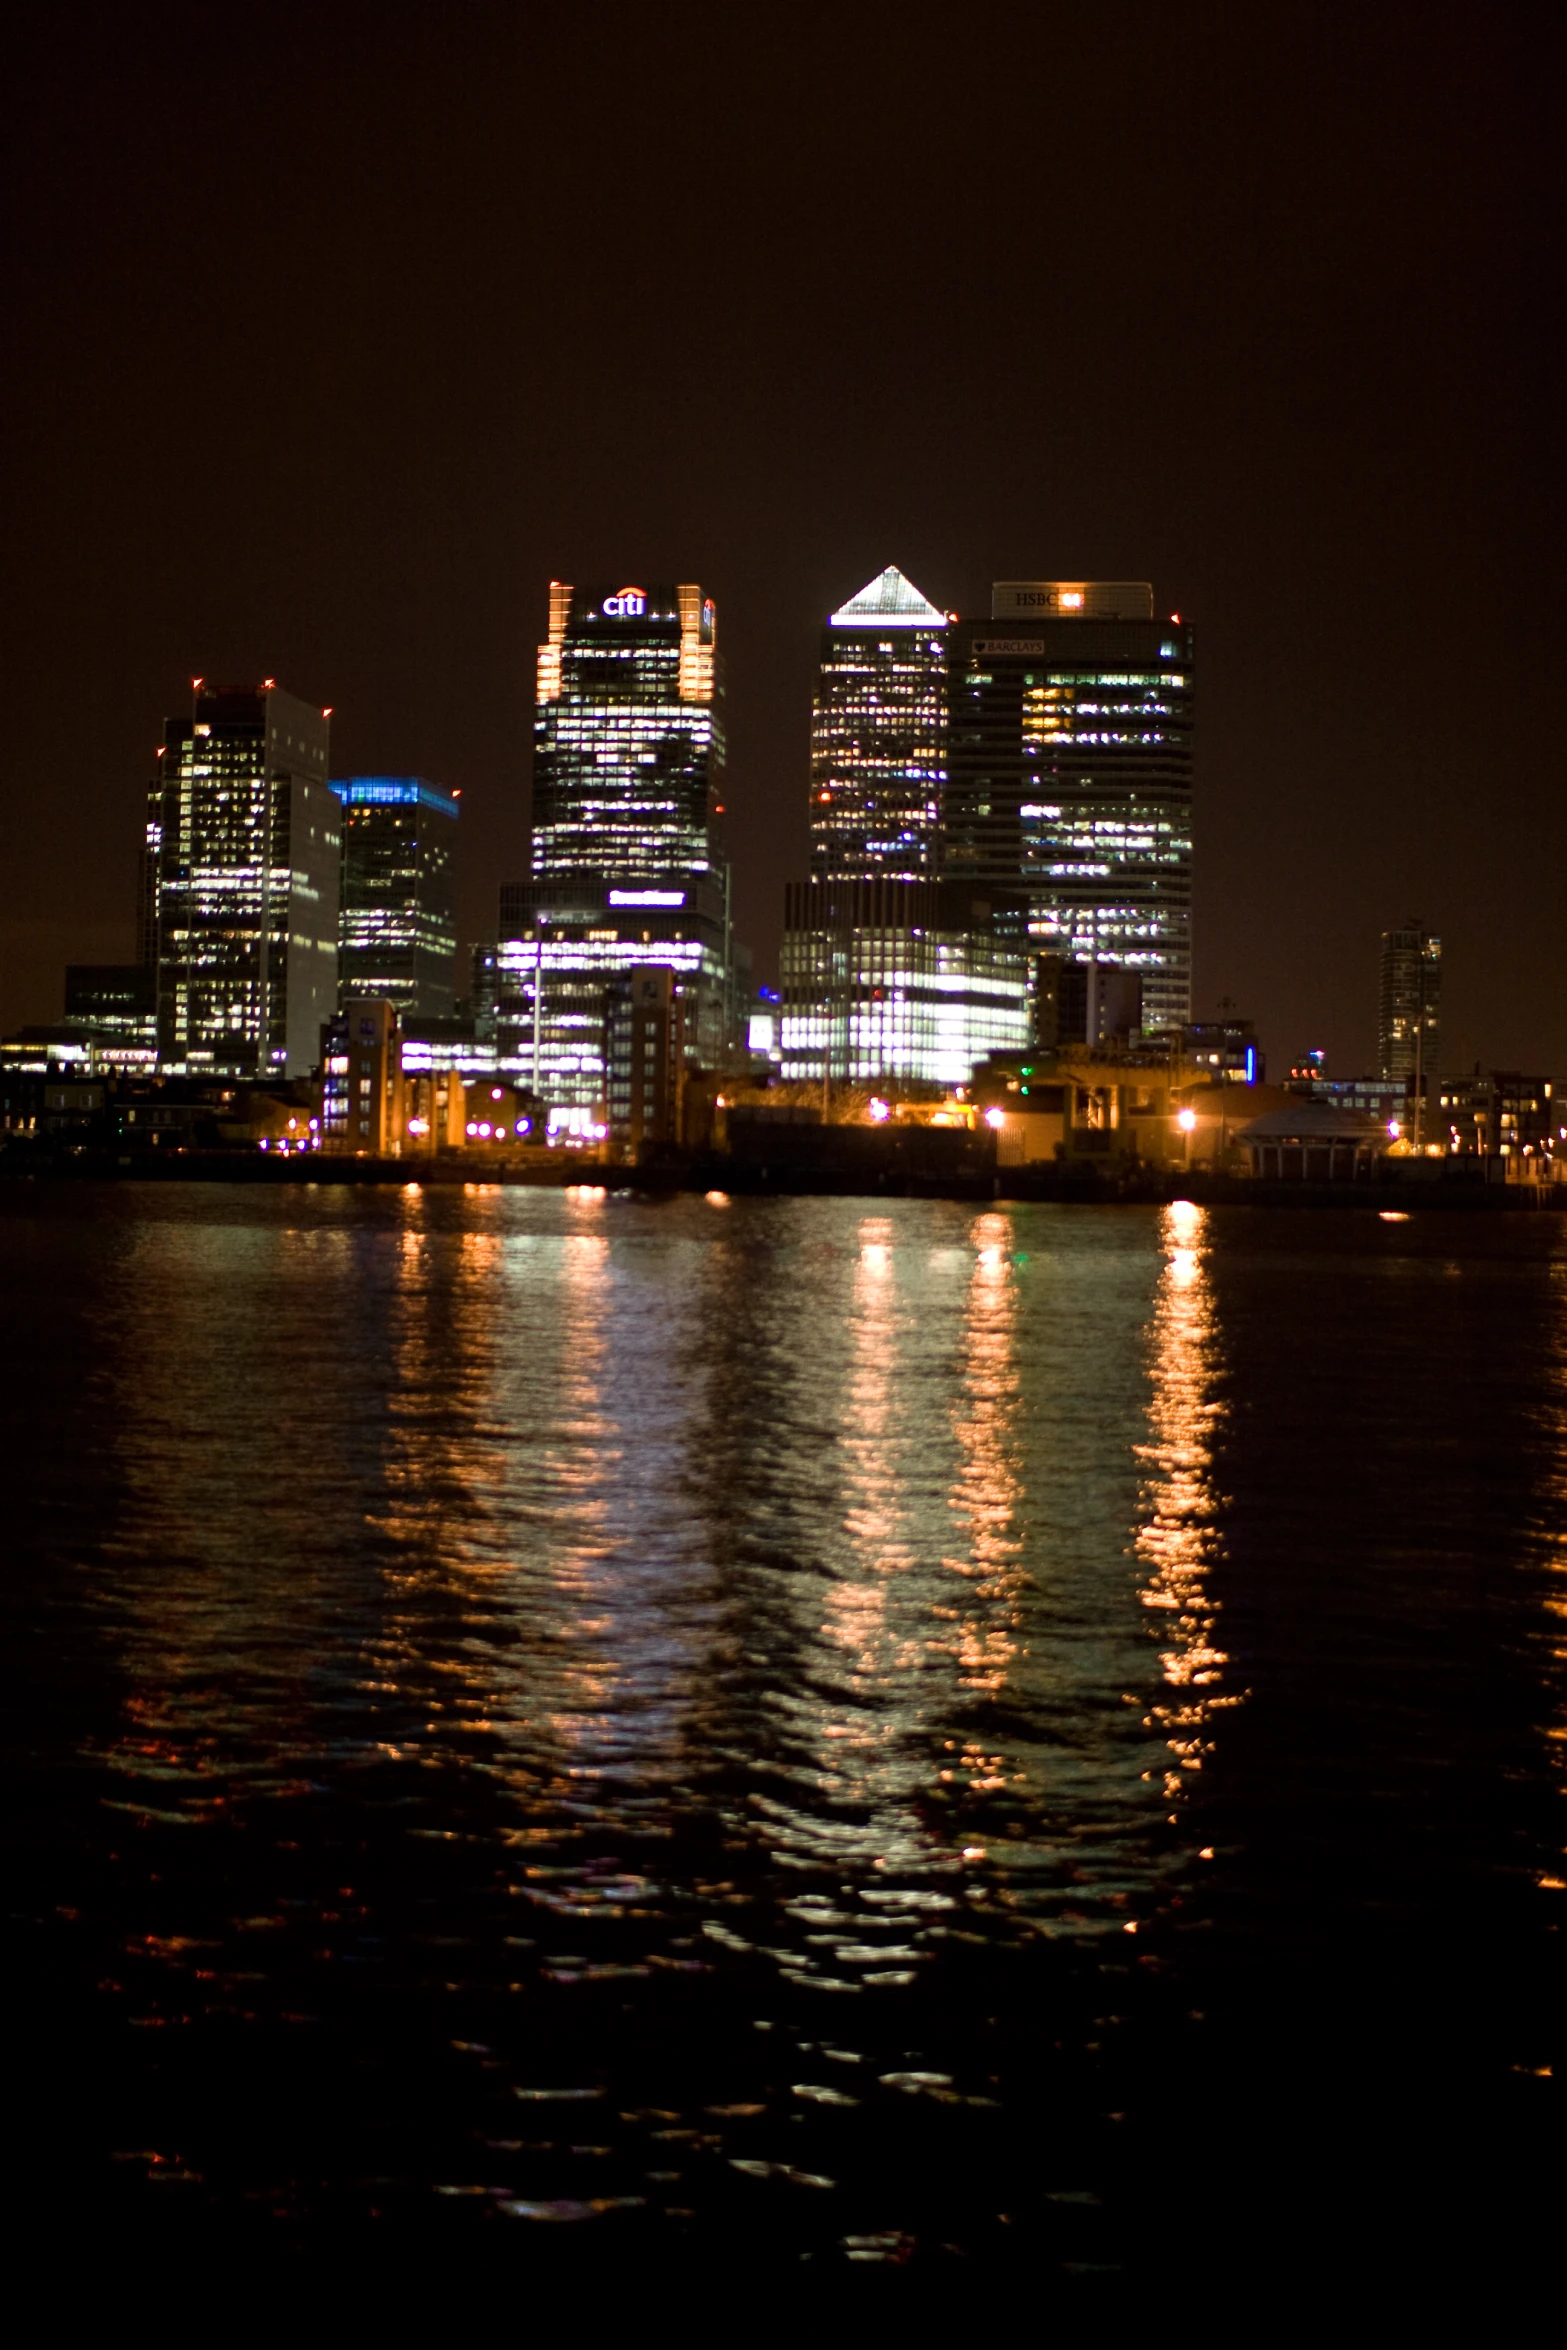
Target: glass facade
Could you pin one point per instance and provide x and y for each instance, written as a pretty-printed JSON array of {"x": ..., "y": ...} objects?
[
  {"x": 249, "y": 855},
  {"x": 628, "y": 863},
  {"x": 398, "y": 924},
  {"x": 887, "y": 976},
  {"x": 1069, "y": 764},
  {"x": 562, "y": 952},
  {"x": 906, "y": 983},
  {"x": 877, "y": 736}
]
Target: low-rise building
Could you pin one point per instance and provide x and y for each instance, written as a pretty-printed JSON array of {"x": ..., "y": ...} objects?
[
  {"x": 1308, "y": 1141},
  {"x": 362, "y": 1079},
  {"x": 645, "y": 1061},
  {"x": 1499, "y": 1113}
]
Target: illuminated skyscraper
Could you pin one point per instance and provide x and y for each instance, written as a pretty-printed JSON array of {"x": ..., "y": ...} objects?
[
  {"x": 628, "y": 736},
  {"x": 628, "y": 866},
  {"x": 1409, "y": 1008},
  {"x": 887, "y": 975},
  {"x": 877, "y": 737},
  {"x": 1069, "y": 775},
  {"x": 249, "y": 851},
  {"x": 398, "y": 923}
]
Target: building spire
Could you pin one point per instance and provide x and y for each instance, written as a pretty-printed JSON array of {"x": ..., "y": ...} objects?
[{"x": 889, "y": 601}]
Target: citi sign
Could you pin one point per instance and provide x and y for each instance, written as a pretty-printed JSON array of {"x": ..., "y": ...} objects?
[{"x": 630, "y": 604}]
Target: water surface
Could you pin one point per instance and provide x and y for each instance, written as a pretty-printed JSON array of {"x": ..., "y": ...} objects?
[{"x": 606, "y": 1730}]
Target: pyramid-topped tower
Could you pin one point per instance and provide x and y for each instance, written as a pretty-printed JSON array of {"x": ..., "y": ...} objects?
[{"x": 890, "y": 600}]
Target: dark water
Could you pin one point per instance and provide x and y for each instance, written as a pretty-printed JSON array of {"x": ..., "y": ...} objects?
[{"x": 588, "y": 1731}]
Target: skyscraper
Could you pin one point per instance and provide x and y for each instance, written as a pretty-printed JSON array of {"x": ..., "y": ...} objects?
[
  {"x": 248, "y": 859},
  {"x": 1069, "y": 767},
  {"x": 888, "y": 974},
  {"x": 877, "y": 737},
  {"x": 628, "y": 865},
  {"x": 1409, "y": 1007},
  {"x": 398, "y": 924}
]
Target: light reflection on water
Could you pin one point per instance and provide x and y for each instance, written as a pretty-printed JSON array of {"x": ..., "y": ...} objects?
[
  {"x": 745, "y": 1673},
  {"x": 1179, "y": 1540}
]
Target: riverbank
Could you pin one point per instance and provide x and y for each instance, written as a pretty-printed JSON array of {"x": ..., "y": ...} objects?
[{"x": 968, "y": 1172}]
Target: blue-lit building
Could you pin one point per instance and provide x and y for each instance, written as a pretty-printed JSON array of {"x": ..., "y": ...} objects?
[
  {"x": 398, "y": 924},
  {"x": 628, "y": 868}
]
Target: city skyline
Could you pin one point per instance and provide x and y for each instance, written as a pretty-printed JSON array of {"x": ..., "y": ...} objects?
[
  {"x": 1279, "y": 426},
  {"x": 401, "y": 893},
  {"x": 960, "y": 628}
]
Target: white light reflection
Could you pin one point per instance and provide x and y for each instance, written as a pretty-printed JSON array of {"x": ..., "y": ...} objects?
[
  {"x": 985, "y": 1495},
  {"x": 1178, "y": 1539}
]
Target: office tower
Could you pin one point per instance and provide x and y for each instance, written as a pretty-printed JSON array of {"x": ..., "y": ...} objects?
[
  {"x": 877, "y": 737},
  {"x": 362, "y": 1078},
  {"x": 1069, "y": 761},
  {"x": 397, "y": 926},
  {"x": 149, "y": 871},
  {"x": 628, "y": 867},
  {"x": 887, "y": 976},
  {"x": 247, "y": 902},
  {"x": 1409, "y": 1010},
  {"x": 484, "y": 988},
  {"x": 903, "y": 983},
  {"x": 116, "y": 1003}
]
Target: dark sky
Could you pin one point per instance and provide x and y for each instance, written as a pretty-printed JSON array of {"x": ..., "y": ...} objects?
[{"x": 333, "y": 333}]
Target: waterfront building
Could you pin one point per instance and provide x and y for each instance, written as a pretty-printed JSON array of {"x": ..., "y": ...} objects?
[
  {"x": 907, "y": 983},
  {"x": 877, "y": 736},
  {"x": 249, "y": 849},
  {"x": 646, "y": 1057},
  {"x": 628, "y": 867},
  {"x": 1409, "y": 1007},
  {"x": 1069, "y": 775},
  {"x": 1498, "y": 1113},
  {"x": 397, "y": 925},
  {"x": 444, "y": 1062},
  {"x": 1226, "y": 1050},
  {"x": 362, "y": 1079},
  {"x": 1313, "y": 1141},
  {"x": 1381, "y": 1098}
]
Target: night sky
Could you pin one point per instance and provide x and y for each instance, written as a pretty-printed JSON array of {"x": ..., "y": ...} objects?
[{"x": 333, "y": 334}]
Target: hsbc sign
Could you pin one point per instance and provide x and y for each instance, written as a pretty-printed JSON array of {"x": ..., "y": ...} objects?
[{"x": 630, "y": 604}]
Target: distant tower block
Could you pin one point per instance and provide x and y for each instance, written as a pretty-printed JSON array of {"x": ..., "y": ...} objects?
[
  {"x": 1409, "y": 1004},
  {"x": 248, "y": 858},
  {"x": 1069, "y": 775},
  {"x": 878, "y": 737}
]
